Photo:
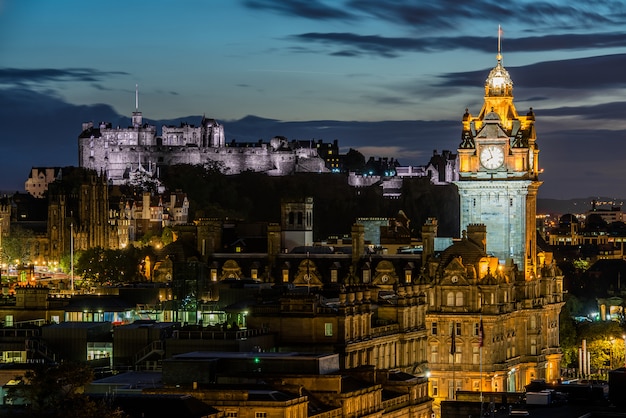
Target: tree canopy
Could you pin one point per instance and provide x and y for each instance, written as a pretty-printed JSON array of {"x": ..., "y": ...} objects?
[{"x": 57, "y": 391}]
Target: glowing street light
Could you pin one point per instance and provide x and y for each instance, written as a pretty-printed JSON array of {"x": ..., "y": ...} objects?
[{"x": 624, "y": 338}]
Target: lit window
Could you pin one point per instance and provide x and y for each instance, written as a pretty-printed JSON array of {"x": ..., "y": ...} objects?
[
  {"x": 450, "y": 299},
  {"x": 459, "y": 298}
]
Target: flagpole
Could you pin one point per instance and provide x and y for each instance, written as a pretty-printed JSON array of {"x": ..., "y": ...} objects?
[
  {"x": 453, "y": 352},
  {"x": 72, "y": 254},
  {"x": 480, "y": 348}
]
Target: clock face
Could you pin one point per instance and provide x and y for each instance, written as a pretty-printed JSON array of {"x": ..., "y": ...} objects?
[{"x": 491, "y": 157}]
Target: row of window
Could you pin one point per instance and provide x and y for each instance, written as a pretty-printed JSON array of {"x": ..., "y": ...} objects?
[
  {"x": 458, "y": 298},
  {"x": 455, "y": 327}
]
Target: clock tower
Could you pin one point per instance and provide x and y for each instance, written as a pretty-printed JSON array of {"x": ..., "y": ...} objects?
[{"x": 499, "y": 175}]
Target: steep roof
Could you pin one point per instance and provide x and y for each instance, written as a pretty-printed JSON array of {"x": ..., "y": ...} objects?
[{"x": 469, "y": 252}]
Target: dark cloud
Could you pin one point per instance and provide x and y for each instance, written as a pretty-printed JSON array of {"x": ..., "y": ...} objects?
[
  {"x": 23, "y": 76},
  {"x": 581, "y": 162},
  {"x": 564, "y": 42},
  {"x": 603, "y": 111},
  {"x": 351, "y": 44},
  {"x": 40, "y": 130},
  {"x": 389, "y": 100},
  {"x": 451, "y": 15},
  {"x": 441, "y": 15},
  {"x": 592, "y": 73},
  {"x": 301, "y": 8}
]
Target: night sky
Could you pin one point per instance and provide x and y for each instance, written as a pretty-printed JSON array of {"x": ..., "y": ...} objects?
[{"x": 389, "y": 78}]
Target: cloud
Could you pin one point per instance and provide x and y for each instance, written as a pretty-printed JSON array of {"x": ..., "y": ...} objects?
[
  {"x": 301, "y": 8},
  {"x": 47, "y": 136},
  {"x": 447, "y": 15},
  {"x": 572, "y": 76},
  {"x": 22, "y": 76},
  {"x": 440, "y": 16},
  {"x": 603, "y": 111},
  {"x": 352, "y": 44}
]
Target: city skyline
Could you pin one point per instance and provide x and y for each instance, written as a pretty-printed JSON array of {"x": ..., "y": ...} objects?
[{"x": 391, "y": 80}]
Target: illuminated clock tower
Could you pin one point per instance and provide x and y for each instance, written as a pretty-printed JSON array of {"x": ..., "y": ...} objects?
[{"x": 499, "y": 175}]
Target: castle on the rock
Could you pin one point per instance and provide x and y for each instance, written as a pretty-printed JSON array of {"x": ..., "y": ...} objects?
[{"x": 138, "y": 151}]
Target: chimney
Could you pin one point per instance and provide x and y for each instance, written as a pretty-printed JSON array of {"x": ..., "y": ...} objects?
[
  {"x": 478, "y": 234},
  {"x": 358, "y": 242},
  {"x": 429, "y": 232}
]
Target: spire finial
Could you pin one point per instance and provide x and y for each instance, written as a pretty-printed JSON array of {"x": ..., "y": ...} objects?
[
  {"x": 136, "y": 97},
  {"x": 500, "y": 32}
]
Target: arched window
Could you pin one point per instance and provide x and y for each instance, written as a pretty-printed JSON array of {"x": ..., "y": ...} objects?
[
  {"x": 450, "y": 299},
  {"x": 459, "y": 299}
]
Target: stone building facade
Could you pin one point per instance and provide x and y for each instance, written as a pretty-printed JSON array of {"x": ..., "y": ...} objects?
[
  {"x": 81, "y": 212},
  {"x": 39, "y": 178}
]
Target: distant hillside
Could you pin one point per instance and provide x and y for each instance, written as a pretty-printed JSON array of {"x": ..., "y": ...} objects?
[{"x": 555, "y": 206}]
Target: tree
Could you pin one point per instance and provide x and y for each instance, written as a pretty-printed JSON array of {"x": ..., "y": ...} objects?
[
  {"x": 65, "y": 263},
  {"x": 57, "y": 391},
  {"x": 18, "y": 245},
  {"x": 567, "y": 335},
  {"x": 604, "y": 342},
  {"x": 98, "y": 266},
  {"x": 167, "y": 237}
]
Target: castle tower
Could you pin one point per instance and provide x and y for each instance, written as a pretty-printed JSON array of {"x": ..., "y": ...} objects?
[
  {"x": 499, "y": 175},
  {"x": 297, "y": 222}
]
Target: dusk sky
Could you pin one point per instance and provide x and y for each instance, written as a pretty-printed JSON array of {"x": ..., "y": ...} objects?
[{"x": 389, "y": 78}]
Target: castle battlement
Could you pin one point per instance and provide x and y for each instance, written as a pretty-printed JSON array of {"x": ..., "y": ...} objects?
[{"x": 121, "y": 153}]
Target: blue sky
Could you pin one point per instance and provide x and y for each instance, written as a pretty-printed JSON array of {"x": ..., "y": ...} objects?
[{"x": 353, "y": 70}]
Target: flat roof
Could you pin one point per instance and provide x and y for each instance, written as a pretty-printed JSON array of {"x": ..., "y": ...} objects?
[{"x": 242, "y": 355}]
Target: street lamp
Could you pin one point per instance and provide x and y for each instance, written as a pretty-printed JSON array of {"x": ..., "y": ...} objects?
[{"x": 624, "y": 338}]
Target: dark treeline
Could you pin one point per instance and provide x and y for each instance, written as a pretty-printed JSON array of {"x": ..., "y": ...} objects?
[{"x": 256, "y": 197}]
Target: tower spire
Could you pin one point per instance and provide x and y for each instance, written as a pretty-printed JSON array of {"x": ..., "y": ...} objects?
[
  {"x": 500, "y": 32},
  {"x": 137, "y": 117}
]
